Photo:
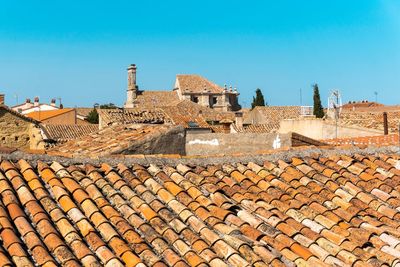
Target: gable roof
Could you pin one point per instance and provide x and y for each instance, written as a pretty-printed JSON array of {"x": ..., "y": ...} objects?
[
  {"x": 316, "y": 211},
  {"x": 192, "y": 83},
  {"x": 184, "y": 111},
  {"x": 19, "y": 115},
  {"x": 274, "y": 114},
  {"x": 153, "y": 99},
  {"x": 114, "y": 140},
  {"x": 133, "y": 115},
  {"x": 65, "y": 132},
  {"x": 48, "y": 114},
  {"x": 371, "y": 120}
]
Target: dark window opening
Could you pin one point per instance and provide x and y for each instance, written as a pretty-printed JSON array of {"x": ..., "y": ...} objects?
[{"x": 194, "y": 99}]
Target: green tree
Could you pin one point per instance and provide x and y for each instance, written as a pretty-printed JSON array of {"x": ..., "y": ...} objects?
[
  {"x": 93, "y": 117},
  {"x": 318, "y": 109},
  {"x": 108, "y": 106},
  {"x": 258, "y": 100}
]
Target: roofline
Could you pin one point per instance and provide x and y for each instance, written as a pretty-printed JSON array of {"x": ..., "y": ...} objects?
[
  {"x": 19, "y": 114},
  {"x": 68, "y": 110}
]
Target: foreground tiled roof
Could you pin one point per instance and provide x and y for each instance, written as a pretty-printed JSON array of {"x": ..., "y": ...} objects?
[
  {"x": 110, "y": 140},
  {"x": 372, "y": 120},
  {"x": 191, "y": 83},
  {"x": 133, "y": 115},
  {"x": 65, "y": 132},
  {"x": 47, "y": 114},
  {"x": 380, "y": 140},
  {"x": 340, "y": 210}
]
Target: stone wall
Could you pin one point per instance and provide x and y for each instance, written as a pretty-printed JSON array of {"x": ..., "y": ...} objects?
[
  {"x": 14, "y": 131},
  {"x": 322, "y": 129},
  {"x": 221, "y": 143},
  {"x": 19, "y": 133}
]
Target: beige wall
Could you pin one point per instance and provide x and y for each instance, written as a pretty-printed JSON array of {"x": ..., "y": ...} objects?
[
  {"x": 65, "y": 118},
  {"x": 219, "y": 143},
  {"x": 321, "y": 129}
]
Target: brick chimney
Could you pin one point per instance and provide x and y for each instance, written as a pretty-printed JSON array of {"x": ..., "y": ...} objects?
[
  {"x": 132, "y": 87},
  {"x": 1, "y": 99},
  {"x": 239, "y": 119},
  {"x": 36, "y": 101},
  {"x": 385, "y": 124}
]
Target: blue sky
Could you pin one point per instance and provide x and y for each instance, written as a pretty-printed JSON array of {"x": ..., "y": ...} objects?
[{"x": 79, "y": 50}]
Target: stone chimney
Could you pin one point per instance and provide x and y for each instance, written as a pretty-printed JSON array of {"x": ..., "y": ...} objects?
[
  {"x": 385, "y": 124},
  {"x": 131, "y": 91},
  {"x": 36, "y": 101},
  {"x": 2, "y": 99},
  {"x": 28, "y": 102},
  {"x": 53, "y": 102},
  {"x": 239, "y": 119}
]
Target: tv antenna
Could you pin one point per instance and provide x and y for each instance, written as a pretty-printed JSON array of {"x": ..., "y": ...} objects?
[{"x": 335, "y": 107}]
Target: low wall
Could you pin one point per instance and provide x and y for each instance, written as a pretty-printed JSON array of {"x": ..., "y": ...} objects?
[
  {"x": 221, "y": 143},
  {"x": 321, "y": 129}
]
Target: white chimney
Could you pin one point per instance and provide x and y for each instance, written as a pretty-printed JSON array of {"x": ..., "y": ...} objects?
[
  {"x": 36, "y": 101},
  {"x": 53, "y": 102},
  {"x": 239, "y": 119}
]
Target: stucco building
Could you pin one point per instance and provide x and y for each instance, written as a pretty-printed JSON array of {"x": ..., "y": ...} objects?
[{"x": 186, "y": 87}]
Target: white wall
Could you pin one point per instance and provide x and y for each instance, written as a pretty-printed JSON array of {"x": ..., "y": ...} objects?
[{"x": 322, "y": 129}]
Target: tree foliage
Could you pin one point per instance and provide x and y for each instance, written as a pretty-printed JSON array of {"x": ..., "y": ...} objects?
[
  {"x": 318, "y": 109},
  {"x": 93, "y": 116},
  {"x": 258, "y": 100}
]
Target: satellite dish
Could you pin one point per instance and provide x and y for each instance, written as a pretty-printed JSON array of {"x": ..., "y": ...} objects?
[{"x": 335, "y": 105}]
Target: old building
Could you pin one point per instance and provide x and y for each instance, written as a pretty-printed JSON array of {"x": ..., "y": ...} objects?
[
  {"x": 187, "y": 87},
  {"x": 67, "y": 116},
  {"x": 18, "y": 131},
  {"x": 29, "y": 107}
]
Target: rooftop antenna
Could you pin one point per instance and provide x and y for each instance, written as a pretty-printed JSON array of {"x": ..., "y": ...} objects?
[
  {"x": 16, "y": 98},
  {"x": 376, "y": 96},
  {"x": 301, "y": 98},
  {"x": 335, "y": 107},
  {"x": 59, "y": 100}
]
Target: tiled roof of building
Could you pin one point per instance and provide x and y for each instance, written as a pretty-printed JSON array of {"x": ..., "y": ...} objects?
[
  {"x": 47, "y": 114},
  {"x": 380, "y": 140},
  {"x": 184, "y": 111},
  {"x": 65, "y": 132},
  {"x": 372, "y": 120},
  {"x": 191, "y": 83},
  {"x": 274, "y": 114},
  {"x": 314, "y": 211},
  {"x": 151, "y": 99},
  {"x": 133, "y": 115},
  {"x": 256, "y": 128},
  {"x": 84, "y": 112},
  {"x": 361, "y": 105},
  {"x": 110, "y": 140}
]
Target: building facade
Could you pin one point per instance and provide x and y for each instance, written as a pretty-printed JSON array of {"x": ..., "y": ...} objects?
[{"x": 186, "y": 87}]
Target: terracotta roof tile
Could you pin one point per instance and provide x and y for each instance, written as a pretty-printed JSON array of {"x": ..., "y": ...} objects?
[{"x": 231, "y": 214}]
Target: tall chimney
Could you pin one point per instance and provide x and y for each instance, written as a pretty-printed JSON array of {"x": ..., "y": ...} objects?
[
  {"x": 131, "y": 91},
  {"x": 385, "y": 124},
  {"x": 36, "y": 101},
  {"x": 1, "y": 99},
  {"x": 239, "y": 119}
]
